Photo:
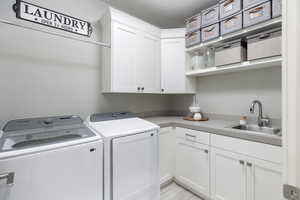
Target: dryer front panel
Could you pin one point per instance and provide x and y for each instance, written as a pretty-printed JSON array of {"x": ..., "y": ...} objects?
[{"x": 136, "y": 167}]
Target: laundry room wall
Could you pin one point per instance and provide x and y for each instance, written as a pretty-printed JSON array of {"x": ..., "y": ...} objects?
[
  {"x": 232, "y": 94},
  {"x": 44, "y": 75}
]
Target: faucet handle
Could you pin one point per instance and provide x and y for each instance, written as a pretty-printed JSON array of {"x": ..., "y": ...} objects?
[{"x": 265, "y": 121}]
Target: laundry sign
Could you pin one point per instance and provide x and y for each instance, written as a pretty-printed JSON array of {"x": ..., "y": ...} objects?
[{"x": 33, "y": 13}]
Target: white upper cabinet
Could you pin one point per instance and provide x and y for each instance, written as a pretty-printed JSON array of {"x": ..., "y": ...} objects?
[
  {"x": 124, "y": 60},
  {"x": 149, "y": 64},
  {"x": 142, "y": 57},
  {"x": 173, "y": 63},
  {"x": 132, "y": 64}
]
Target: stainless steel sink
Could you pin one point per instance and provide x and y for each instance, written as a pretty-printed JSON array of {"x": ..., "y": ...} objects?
[{"x": 258, "y": 129}]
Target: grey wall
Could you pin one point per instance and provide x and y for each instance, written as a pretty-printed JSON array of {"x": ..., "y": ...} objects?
[
  {"x": 232, "y": 94},
  {"x": 42, "y": 75}
]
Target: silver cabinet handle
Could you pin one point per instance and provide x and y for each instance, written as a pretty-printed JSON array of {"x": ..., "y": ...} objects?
[{"x": 9, "y": 178}]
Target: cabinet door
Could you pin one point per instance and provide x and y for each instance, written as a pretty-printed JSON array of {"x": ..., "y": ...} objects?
[
  {"x": 192, "y": 165},
  {"x": 228, "y": 175},
  {"x": 264, "y": 180},
  {"x": 124, "y": 58},
  {"x": 149, "y": 64},
  {"x": 166, "y": 154},
  {"x": 173, "y": 65},
  {"x": 136, "y": 167}
]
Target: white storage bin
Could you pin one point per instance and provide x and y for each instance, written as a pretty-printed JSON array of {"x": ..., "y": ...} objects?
[
  {"x": 210, "y": 32},
  {"x": 276, "y": 8},
  {"x": 193, "y": 23},
  {"x": 232, "y": 23},
  {"x": 229, "y": 7},
  {"x": 252, "y": 3},
  {"x": 264, "y": 45},
  {"x": 257, "y": 14},
  {"x": 193, "y": 38},
  {"x": 231, "y": 53},
  {"x": 210, "y": 15}
]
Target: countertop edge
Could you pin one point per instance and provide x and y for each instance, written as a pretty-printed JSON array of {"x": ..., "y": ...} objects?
[{"x": 250, "y": 137}]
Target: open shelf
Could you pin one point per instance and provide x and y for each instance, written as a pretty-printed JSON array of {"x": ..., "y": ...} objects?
[
  {"x": 273, "y": 23},
  {"x": 247, "y": 65}
]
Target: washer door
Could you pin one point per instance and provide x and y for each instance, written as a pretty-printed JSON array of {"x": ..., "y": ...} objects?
[
  {"x": 136, "y": 167},
  {"x": 70, "y": 173}
]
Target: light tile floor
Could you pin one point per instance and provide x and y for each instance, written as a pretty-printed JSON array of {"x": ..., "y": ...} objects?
[{"x": 175, "y": 192}]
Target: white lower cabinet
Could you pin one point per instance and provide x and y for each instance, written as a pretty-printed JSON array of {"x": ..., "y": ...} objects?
[
  {"x": 228, "y": 175},
  {"x": 239, "y": 177},
  {"x": 264, "y": 180},
  {"x": 166, "y": 154},
  {"x": 193, "y": 165},
  {"x": 222, "y": 168}
]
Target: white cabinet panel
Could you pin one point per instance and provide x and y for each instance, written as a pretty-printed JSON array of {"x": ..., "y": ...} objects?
[
  {"x": 132, "y": 64},
  {"x": 264, "y": 180},
  {"x": 239, "y": 177},
  {"x": 166, "y": 154},
  {"x": 192, "y": 165},
  {"x": 173, "y": 65},
  {"x": 228, "y": 173},
  {"x": 136, "y": 167},
  {"x": 149, "y": 64},
  {"x": 124, "y": 58}
]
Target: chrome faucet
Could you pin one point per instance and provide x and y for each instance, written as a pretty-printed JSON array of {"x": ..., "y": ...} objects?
[{"x": 262, "y": 121}]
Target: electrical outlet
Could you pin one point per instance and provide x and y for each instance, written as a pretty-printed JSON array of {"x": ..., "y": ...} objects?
[{"x": 291, "y": 192}]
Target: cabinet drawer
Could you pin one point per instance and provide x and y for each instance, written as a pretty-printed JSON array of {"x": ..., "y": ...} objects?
[
  {"x": 193, "y": 135},
  {"x": 257, "y": 150}
]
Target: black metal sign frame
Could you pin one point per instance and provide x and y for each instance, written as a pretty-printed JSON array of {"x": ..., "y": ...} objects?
[{"x": 57, "y": 20}]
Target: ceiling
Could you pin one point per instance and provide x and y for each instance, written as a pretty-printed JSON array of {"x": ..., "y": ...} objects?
[{"x": 162, "y": 13}]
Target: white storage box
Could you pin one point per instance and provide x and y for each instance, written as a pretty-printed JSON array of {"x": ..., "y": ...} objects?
[
  {"x": 257, "y": 14},
  {"x": 210, "y": 15},
  {"x": 193, "y": 23},
  {"x": 229, "y": 7},
  {"x": 232, "y": 23},
  {"x": 231, "y": 53},
  {"x": 193, "y": 38},
  {"x": 252, "y": 3},
  {"x": 210, "y": 32},
  {"x": 264, "y": 45},
  {"x": 276, "y": 8}
]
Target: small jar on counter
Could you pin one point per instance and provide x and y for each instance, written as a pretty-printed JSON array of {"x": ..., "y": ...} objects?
[{"x": 243, "y": 121}]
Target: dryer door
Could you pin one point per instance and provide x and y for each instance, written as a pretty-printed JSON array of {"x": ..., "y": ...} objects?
[{"x": 136, "y": 167}]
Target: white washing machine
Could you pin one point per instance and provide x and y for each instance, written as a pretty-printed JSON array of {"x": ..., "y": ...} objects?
[
  {"x": 131, "y": 156},
  {"x": 54, "y": 158}
]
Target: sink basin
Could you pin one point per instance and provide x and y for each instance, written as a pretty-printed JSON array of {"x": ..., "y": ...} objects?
[{"x": 257, "y": 129}]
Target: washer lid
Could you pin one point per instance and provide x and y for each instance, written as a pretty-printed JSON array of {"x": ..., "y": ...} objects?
[
  {"x": 98, "y": 117},
  {"x": 37, "y": 132},
  {"x": 121, "y": 127}
]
